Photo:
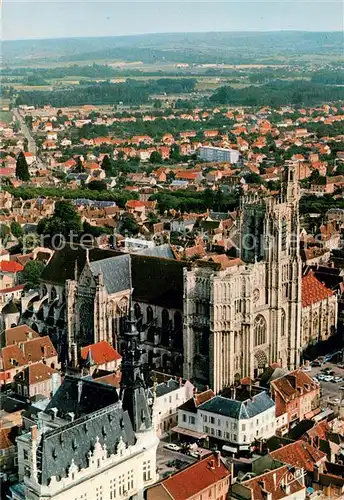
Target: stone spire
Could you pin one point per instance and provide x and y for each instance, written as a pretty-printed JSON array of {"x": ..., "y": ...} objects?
[{"x": 133, "y": 391}]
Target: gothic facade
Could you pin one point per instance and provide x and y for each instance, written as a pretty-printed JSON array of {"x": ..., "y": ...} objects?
[
  {"x": 239, "y": 320},
  {"x": 88, "y": 302}
]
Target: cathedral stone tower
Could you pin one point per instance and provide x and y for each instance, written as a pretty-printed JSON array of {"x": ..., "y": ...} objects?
[{"x": 250, "y": 312}]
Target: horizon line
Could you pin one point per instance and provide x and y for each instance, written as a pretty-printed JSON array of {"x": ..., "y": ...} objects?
[{"x": 165, "y": 33}]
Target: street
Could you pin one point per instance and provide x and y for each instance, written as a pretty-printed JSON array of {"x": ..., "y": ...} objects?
[
  {"x": 165, "y": 457},
  {"x": 330, "y": 390},
  {"x": 32, "y": 148}
]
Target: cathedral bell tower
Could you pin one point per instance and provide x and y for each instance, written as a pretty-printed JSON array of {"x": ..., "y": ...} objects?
[{"x": 133, "y": 390}]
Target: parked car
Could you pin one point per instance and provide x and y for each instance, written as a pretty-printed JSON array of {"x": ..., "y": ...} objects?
[
  {"x": 337, "y": 380},
  {"x": 328, "y": 378},
  {"x": 315, "y": 363},
  {"x": 340, "y": 365},
  {"x": 173, "y": 447}
]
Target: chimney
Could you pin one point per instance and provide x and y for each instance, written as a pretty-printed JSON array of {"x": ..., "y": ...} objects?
[
  {"x": 212, "y": 464},
  {"x": 218, "y": 458},
  {"x": 79, "y": 390},
  {"x": 53, "y": 413},
  {"x": 34, "y": 433},
  {"x": 70, "y": 416},
  {"x": 274, "y": 475},
  {"x": 233, "y": 392},
  {"x": 316, "y": 473},
  {"x": 55, "y": 382}
]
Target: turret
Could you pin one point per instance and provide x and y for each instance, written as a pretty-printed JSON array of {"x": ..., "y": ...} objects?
[{"x": 133, "y": 391}]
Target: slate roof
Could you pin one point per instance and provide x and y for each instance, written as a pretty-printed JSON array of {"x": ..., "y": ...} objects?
[
  {"x": 73, "y": 441},
  {"x": 161, "y": 251},
  {"x": 239, "y": 409},
  {"x": 81, "y": 396},
  {"x": 10, "y": 308},
  {"x": 193, "y": 403},
  {"x": 165, "y": 388},
  {"x": 116, "y": 272},
  {"x": 61, "y": 266},
  {"x": 155, "y": 280}
]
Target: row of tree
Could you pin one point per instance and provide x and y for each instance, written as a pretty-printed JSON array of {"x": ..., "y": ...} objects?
[
  {"x": 279, "y": 93},
  {"x": 131, "y": 92}
]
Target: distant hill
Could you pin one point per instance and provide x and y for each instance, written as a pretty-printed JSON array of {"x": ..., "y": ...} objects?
[{"x": 199, "y": 48}]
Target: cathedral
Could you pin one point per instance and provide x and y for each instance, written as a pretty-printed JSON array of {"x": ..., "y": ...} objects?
[
  {"x": 240, "y": 320},
  {"x": 195, "y": 320}
]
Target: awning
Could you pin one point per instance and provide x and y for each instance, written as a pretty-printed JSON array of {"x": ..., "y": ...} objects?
[{"x": 189, "y": 432}]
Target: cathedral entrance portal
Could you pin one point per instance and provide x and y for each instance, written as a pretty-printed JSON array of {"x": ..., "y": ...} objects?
[{"x": 260, "y": 362}]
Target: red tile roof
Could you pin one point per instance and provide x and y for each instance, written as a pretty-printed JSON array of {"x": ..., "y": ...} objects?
[
  {"x": 318, "y": 431},
  {"x": 12, "y": 289},
  {"x": 5, "y": 438},
  {"x": 134, "y": 204},
  {"x": 299, "y": 454},
  {"x": 294, "y": 384},
  {"x": 272, "y": 482},
  {"x": 196, "y": 478},
  {"x": 19, "y": 334},
  {"x": 12, "y": 357},
  {"x": 102, "y": 352},
  {"x": 39, "y": 348},
  {"x": 113, "y": 379},
  {"x": 35, "y": 373},
  {"x": 8, "y": 266},
  {"x": 313, "y": 291}
]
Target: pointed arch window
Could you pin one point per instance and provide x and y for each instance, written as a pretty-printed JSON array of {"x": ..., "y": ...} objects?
[
  {"x": 284, "y": 234},
  {"x": 283, "y": 324},
  {"x": 259, "y": 330}
]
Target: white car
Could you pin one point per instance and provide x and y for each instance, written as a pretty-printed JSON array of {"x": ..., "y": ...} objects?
[
  {"x": 328, "y": 378},
  {"x": 173, "y": 447}
]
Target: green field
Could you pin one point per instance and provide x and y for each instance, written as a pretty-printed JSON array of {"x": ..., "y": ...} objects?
[{"x": 5, "y": 116}]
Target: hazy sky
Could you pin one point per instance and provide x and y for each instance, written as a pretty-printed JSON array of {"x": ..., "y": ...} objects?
[{"x": 67, "y": 18}]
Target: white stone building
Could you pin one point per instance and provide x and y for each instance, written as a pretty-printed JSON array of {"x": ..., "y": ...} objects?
[
  {"x": 167, "y": 396},
  {"x": 235, "y": 423}
]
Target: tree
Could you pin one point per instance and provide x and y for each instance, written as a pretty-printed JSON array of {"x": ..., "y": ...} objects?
[
  {"x": 155, "y": 157},
  {"x": 97, "y": 185},
  {"x": 16, "y": 229},
  {"x": 106, "y": 164},
  {"x": 64, "y": 220},
  {"x": 175, "y": 152},
  {"x": 218, "y": 199},
  {"x": 253, "y": 178},
  {"x": 32, "y": 273},
  {"x": 153, "y": 219},
  {"x": 4, "y": 231},
  {"x": 26, "y": 144},
  {"x": 22, "y": 169},
  {"x": 129, "y": 225},
  {"x": 79, "y": 167},
  {"x": 157, "y": 104},
  {"x": 340, "y": 169}
]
